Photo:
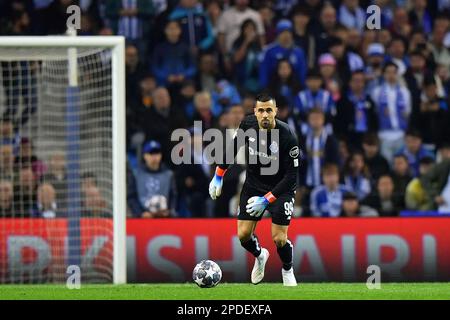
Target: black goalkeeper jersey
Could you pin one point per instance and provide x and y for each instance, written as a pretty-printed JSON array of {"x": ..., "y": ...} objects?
[{"x": 272, "y": 156}]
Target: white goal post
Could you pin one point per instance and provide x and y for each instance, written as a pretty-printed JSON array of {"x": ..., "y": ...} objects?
[{"x": 29, "y": 48}]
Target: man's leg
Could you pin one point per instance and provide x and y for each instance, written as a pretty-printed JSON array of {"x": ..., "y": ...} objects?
[
  {"x": 250, "y": 242},
  {"x": 247, "y": 238},
  {"x": 285, "y": 251}
]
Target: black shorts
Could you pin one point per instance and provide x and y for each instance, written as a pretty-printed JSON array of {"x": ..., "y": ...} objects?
[{"x": 281, "y": 209}]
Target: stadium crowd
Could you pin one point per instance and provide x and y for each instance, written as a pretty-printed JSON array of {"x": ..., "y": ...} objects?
[{"x": 370, "y": 106}]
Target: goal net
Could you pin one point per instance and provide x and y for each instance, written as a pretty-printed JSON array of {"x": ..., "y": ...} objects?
[{"x": 62, "y": 167}]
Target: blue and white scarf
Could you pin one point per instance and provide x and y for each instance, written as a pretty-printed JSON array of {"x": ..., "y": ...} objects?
[
  {"x": 384, "y": 113},
  {"x": 315, "y": 148}
]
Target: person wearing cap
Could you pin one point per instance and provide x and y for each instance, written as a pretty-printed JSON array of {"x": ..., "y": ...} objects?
[
  {"x": 374, "y": 67},
  {"x": 283, "y": 48},
  {"x": 152, "y": 190}
]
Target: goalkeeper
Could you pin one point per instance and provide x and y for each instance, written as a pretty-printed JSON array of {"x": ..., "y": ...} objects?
[{"x": 274, "y": 192}]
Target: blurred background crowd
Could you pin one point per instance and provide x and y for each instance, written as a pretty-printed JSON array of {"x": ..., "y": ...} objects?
[{"x": 370, "y": 106}]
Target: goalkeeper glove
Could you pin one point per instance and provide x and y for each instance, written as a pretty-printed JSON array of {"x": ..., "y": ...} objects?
[
  {"x": 256, "y": 205},
  {"x": 215, "y": 187}
]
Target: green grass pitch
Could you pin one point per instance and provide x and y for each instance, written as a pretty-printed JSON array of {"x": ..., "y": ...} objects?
[{"x": 229, "y": 291}]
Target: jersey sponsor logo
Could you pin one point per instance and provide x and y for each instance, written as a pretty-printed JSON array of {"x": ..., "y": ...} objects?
[
  {"x": 274, "y": 147},
  {"x": 294, "y": 152},
  {"x": 252, "y": 152}
]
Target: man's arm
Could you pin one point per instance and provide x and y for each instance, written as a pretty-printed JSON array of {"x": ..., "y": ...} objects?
[{"x": 290, "y": 164}]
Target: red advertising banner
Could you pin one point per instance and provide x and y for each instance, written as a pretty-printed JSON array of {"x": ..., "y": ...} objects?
[
  {"x": 166, "y": 250},
  {"x": 325, "y": 249}
]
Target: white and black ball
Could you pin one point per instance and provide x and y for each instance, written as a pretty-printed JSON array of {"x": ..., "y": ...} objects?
[{"x": 207, "y": 274}]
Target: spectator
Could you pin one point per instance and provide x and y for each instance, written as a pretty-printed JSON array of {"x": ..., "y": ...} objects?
[
  {"x": 268, "y": 19},
  {"x": 214, "y": 10},
  {"x": 384, "y": 200},
  {"x": 196, "y": 27},
  {"x": 152, "y": 192},
  {"x": 400, "y": 26},
  {"x": 320, "y": 148},
  {"x": 8, "y": 134},
  {"x": 326, "y": 199},
  {"x": 374, "y": 66},
  {"x": 401, "y": 174},
  {"x": 163, "y": 118},
  {"x": 327, "y": 69},
  {"x": 19, "y": 23},
  {"x": 203, "y": 110},
  {"x": 208, "y": 72},
  {"x": 193, "y": 178},
  {"x": 27, "y": 157},
  {"x": 397, "y": 54},
  {"x": 346, "y": 61},
  {"x": 6, "y": 161},
  {"x": 224, "y": 96},
  {"x": 131, "y": 19},
  {"x": 357, "y": 175},
  {"x": 284, "y": 83},
  {"x": 314, "y": 97},
  {"x": 25, "y": 192},
  {"x": 352, "y": 208},
  {"x": 283, "y": 48},
  {"x": 94, "y": 204},
  {"x": 135, "y": 72},
  {"x": 326, "y": 28},
  {"x": 444, "y": 152},
  {"x": 6, "y": 199},
  {"x": 352, "y": 15},
  {"x": 356, "y": 114},
  {"x": 172, "y": 60},
  {"x": 414, "y": 77},
  {"x": 230, "y": 23},
  {"x": 303, "y": 37},
  {"x": 245, "y": 52},
  {"x": 57, "y": 177},
  {"x": 433, "y": 117},
  {"x": 436, "y": 183},
  {"x": 46, "y": 206},
  {"x": 414, "y": 150},
  {"x": 416, "y": 197},
  {"x": 393, "y": 106},
  {"x": 440, "y": 51},
  {"x": 185, "y": 100},
  {"x": 378, "y": 165},
  {"x": 419, "y": 16}
]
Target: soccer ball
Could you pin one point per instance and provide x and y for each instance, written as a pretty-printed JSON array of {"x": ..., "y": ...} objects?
[{"x": 207, "y": 274}]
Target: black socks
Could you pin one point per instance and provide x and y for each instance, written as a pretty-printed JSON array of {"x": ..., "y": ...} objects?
[
  {"x": 252, "y": 245},
  {"x": 285, "y": 253}
]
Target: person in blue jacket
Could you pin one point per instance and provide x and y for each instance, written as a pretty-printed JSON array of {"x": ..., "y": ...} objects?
[
  {"x": 172, "y": 59},
  {"x": 197, "y": 31},
  {"x": 283, "y": 48}
]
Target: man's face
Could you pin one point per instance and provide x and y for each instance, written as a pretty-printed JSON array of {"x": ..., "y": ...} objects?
[
  {"x": 424, "y": 168},
  {"x": 131, "y": 56},
  {"x": 301, "y": 20},
  {"x": 413, "y": 143},
  {"x": 430, "y": 91},
  {"x": 390, "y": 74},
  {"x": 241, "y": 3},
  {"x": 328, "y": 17},
  {"x": 265, "y": 113},
  {"x": 445, "y": 153},
  {"x": 203, "y": 103},
  {"x": 327, "y": 70},
  {"x": 46, "y": 194},
  {"x": 350, "y": 207},
  {"x": 6, "y": 191},
  {"x": 188, "y": 3},
  {"x": 401, "y": 166},
  {"x": 314, "y": 83},
  {"x": 370, "y": 150},
  {"x": 236, "y": 115},
  {"x": 397, "y": 49},
  {"x": 417, "y": 63},
  {"x": 316, "y": 120},
  {"x": 6, "y": 156},
  {"x": 357, "y": 82},
  {"x": 385, "y": 186},
  {"x": 285, "y": 37},
  {"x": 173, "y": 32},
  {"x": 207, "y": 63},
  {"x": 331, "y": 179},
  {"x": 57, "y": 162},
  {"x": 153, "y": 160},
  {"x": 337, "y": 51},
  {"x": 161, "y": 99}
]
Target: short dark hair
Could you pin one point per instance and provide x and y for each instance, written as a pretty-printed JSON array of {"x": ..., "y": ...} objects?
[
  {"x": 426, "y": 160},
  {"x": 371, "y": 139},
  {"x": 389, "y": 64},
  {"x": 264, "y": 97},
  {"x": 413, "y": 133},
  {"x": 350, "y": 196}
]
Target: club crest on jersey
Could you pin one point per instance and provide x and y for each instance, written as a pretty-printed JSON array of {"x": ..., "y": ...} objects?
[
  {"x": 273, "y": 147},
  {"x": 294, "y": 152}
]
